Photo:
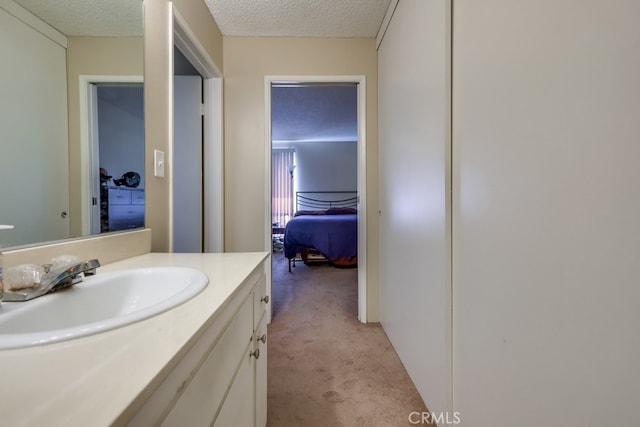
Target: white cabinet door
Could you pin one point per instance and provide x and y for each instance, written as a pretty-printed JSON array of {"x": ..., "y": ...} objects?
[
  {"x": 205, "y": 393},
  {"x": 238, "y": 408},
  {"x": 261, "y": 373}
]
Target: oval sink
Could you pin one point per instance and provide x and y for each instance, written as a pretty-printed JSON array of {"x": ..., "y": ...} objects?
[{"x": 99, "y": 303}]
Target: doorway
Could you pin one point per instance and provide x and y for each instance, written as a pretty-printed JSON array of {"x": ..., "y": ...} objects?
[
  {"x": 211, "y": 109},
  {"x": 360, "y": 88},
  {"x": 188, "y": 149},
  {"x": 112, "y": 131}
]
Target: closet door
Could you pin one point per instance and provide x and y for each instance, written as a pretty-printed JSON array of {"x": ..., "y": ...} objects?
[
  {"x": 546, "y": 249},
  {"x": 34, "y": 166},
  {"x": 414, "y": 233}
]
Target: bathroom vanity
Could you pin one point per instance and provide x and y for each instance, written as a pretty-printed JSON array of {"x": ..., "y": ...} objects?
[{"x": 200, "y": 363}]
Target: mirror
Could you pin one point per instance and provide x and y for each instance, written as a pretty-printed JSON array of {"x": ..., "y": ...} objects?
[{"x": 71, "y": 119}]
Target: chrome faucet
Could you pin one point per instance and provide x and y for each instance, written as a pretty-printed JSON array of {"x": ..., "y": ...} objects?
[{"x": 54, "y": 280}]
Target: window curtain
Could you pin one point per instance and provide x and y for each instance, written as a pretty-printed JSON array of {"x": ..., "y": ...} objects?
[{"x": 281, "y": 186}]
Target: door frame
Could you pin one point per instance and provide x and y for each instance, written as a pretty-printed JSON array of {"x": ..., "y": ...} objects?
[
  {"x": 89, "y": 146},
  {"x": 213, "y": 156},
  {"x": 360, "y": 80}
]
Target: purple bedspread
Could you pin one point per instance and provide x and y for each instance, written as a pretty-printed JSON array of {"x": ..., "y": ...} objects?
[{"x": 334, "y": 236}]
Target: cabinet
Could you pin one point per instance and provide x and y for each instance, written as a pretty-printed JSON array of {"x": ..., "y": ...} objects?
[
  {"x": 246, "y": 403},
  {"x": 261, "y": 374},
  {"x": 221, "y": 380},
  {"x": 259, "y": 342},
  {"x": 125, "y": 208}
]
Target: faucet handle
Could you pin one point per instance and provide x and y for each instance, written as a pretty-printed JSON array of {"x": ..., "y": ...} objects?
[
  {"x": 55, "y": 279},
  {"x": 66, "y": 276}
]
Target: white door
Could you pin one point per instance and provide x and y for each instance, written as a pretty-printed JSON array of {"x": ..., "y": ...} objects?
[
  {"x": 34, "y": 153},
  {"x": 187, "y": 164}
]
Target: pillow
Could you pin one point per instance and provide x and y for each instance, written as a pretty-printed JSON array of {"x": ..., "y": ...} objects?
[
  {"x": 341, "y": 211},
  {"x": 303, "y": 212}
]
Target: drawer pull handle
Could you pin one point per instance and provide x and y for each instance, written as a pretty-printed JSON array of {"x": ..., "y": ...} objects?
[
  {"x": 255, "y": 353},
  {"x": 263, "y": 338},
  {"x": 265, "y": 299}
]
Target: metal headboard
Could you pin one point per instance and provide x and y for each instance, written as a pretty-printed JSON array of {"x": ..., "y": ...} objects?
[{"x": 321, "y": 200}]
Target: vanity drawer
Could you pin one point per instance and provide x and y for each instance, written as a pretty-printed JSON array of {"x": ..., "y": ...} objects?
[
  {"x": 260, "y": 299},
  {"x": 200, "y": 402}
]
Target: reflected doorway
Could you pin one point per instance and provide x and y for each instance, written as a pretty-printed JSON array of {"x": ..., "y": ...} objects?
[
  {"x": 112, "y": 128},
  {"x": 120, "y": 150}
]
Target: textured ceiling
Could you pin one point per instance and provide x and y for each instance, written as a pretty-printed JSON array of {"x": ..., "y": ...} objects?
[
  {"x": 89, "y": 17},
  {"x": 317, "y": 113},
  {"x": 299, "y": 18}
]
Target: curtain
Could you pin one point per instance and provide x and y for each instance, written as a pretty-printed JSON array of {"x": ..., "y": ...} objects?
[{"x": 281, "y": 186}]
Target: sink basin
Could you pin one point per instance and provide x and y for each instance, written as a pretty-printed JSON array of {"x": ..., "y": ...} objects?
[{"x": 102, "y": 302}]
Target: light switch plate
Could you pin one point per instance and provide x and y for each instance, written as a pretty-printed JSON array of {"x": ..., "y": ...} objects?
[{"x": 158, "y": 163}]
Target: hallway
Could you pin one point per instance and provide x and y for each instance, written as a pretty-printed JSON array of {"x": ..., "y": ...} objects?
[{"x": 325, "y": 368}]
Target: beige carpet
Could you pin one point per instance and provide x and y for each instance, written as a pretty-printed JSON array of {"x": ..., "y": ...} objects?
[{"x": 325, "y": 368}]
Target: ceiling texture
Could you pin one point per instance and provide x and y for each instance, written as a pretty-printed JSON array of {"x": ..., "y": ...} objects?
[
  {"x": 298, "y": 18},
  {"x": 250, "y": 18},
  {"x": 93, "y": 18},
  {"x": 313, "y": 113},
  {"x": 299, "y": 114}
]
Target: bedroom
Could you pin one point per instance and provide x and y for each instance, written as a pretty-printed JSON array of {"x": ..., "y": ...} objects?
[{"x": 314, "y": 170}]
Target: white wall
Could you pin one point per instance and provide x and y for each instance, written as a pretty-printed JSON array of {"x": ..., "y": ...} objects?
[
  {"x": 92, "y": 56},
  {"x": 546, "y": 212},
  {"x": 414, "y": 228},
  {"x": 158, "y": 83},
  {"x": 326, "y": 166}
]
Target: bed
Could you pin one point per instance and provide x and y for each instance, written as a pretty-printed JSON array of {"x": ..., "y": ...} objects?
[{"x": 325, "y": 227}]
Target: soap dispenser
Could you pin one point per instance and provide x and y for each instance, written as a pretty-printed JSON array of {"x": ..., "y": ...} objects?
[{"x": 2, "y": 227}]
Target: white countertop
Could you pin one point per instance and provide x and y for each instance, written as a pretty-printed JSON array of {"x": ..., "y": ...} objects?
[{"x": 90, "y": 381}]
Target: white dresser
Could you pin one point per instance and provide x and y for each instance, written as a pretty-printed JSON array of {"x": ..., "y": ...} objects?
[{"x": 126, "y": 208}]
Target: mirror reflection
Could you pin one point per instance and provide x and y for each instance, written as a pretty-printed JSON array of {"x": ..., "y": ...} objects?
[{"x": 71, "y": 119}]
